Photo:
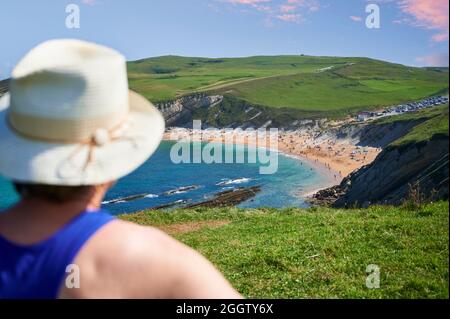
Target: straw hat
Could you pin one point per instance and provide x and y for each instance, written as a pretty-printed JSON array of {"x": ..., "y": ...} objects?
[{"x": 70, "y": 119}]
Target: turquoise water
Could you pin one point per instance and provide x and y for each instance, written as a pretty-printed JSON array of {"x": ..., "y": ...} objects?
[{"x": 162, "y": 182}]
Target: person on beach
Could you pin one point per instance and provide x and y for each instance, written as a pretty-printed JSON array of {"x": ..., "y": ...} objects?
[{"x": 69, "y": 128}]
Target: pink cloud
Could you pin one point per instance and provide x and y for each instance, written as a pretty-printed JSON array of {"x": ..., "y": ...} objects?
[
  {"x": 429, "y": 14},
  {"x": 289, "y": 17},
  {"x": 356, "y": 18},
  {"x": 295, "y": 5},
  {"x": 250, "y": 2},
  {"x": 440, "y": 37},
  {"x": 439, "y": 59},
  {"x": 259, "y": 5},
  {"x": 311, "y": 5},
  {"x": 287, "y": 11},
  {"x": 263, "y": 8},
  {"x": 89, "y": 2},
  {"x": 287, "y": 8},
  {"x": 401, "y": 21}
]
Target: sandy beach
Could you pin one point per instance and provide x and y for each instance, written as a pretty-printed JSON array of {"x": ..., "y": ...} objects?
[{"x": 336, "y": 157}]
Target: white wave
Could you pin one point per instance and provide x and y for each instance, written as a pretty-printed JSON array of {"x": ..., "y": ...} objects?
[
  {"x": 234, "y": 181},
  {"x": 128, "y": 199},
  {"x": 177, "y": 192},
  {"x": 181, "y": 190},
  {"x": 227, "y": 188}
]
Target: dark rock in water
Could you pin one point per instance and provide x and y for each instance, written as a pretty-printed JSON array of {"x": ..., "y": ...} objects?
[
  {"x": 223, "y": 199},
  {"x": 127, "y": 198},
  {"x": 169, "y": 205},
  {"x": 181, "y": 190},
  {"x": 229, "y": 198},
  {"x": 326, "y": 197}
]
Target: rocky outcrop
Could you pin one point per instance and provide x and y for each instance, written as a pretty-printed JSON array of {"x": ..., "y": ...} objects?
[
  {"x": 398, "y": 170},
  {"x": 178, "y": 112},
  {"x": 230, "y": 112},
  {"x": 226, "y": 198},
  {"x": 381, "y": 135},
  {"x": 229, "y": 198},
  {"x": 371, "y": 134}
]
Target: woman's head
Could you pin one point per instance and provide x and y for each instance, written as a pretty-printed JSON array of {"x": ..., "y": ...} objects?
[
  {"x": 62, "y": 194},
  {"x": 71, "y": 120}
]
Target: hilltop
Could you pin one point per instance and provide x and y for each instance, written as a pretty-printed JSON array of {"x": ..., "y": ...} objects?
[
  {"x": 280, "y": 89},
  {"x": 317, "y": 86}
]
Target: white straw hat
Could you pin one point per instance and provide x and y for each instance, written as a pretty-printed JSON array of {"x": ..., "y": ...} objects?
[{"x": 70, "y": 119}]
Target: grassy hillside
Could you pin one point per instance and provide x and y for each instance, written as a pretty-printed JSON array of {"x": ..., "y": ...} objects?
[
  {"x": 319, "y": 84},
  {"x": 433, "y": 122},
  {"x": 167, "y": 77},
  {"x": 437, "y": 125},
  {"x": 319, "y": 252}
]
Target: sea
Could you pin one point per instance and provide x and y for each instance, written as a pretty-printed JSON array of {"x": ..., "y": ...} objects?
[{"x": 160, "y": 181}]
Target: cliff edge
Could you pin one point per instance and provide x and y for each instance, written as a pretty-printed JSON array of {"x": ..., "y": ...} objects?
[{"x": 416, "y": 164}]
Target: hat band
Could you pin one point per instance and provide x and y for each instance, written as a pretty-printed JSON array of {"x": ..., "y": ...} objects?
[{"x": 62, "y": 130}]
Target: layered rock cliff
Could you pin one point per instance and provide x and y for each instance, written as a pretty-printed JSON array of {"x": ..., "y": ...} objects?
[
  {"x": 420, "y": 168},
  {"x": 228, "y": 111},
  {"x": 180, "y": 111}
]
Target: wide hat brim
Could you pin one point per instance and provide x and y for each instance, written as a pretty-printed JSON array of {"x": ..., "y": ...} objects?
[{"x": 42, "y": 162}]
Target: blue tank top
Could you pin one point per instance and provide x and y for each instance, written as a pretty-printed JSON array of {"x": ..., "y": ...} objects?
[{"x": 38, "y": 271}]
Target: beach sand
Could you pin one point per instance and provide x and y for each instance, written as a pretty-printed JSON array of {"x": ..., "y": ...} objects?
[{"x": 337, "y": 158}]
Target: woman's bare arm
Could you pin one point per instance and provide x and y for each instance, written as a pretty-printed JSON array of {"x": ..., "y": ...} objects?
[{"x": 128, "y": 261}]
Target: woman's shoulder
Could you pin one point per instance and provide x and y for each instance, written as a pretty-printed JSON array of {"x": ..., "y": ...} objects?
[
  {"x": 127, "y": 237},
  {"x": 112, "y": 262}
]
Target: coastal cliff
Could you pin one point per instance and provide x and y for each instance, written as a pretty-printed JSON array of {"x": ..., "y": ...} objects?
[
  {"x": 222, "y": 111},
  {"x": 178, "y": 112},
  {"x": 412, "y": 165},
  {"x": 372, "y": 134},
  {"x": 396, "y": 173}
]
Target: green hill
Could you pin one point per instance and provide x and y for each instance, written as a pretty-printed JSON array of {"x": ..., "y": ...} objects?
[
  {"x": 319, "y": 252},
  {"x": 436, "y": 124},
  {"x": 318, "y": 84}
]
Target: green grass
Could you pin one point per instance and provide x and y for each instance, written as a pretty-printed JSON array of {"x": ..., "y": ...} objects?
[
  {"x": 289, "y": 81},
  {"x": 321, "y": 252},
  {"x": 168, "y": 77},
  {"x": 434, "y": 122},
  {"x": 426, "y": 131}
]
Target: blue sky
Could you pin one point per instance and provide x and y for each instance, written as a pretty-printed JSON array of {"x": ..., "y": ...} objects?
[{"x": 412, "y": 32}]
